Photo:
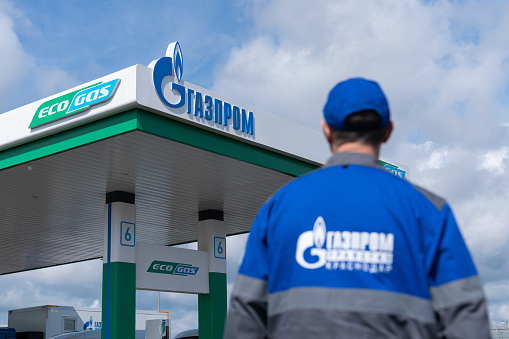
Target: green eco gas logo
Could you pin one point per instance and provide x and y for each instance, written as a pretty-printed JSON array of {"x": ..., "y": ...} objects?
[
  {"x": 174, "y": 268},
  {"x": 73, "y": 102}
]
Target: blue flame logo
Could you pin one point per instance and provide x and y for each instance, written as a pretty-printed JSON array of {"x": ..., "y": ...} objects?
[
  {"x": 88, "y": 325},
  {"x": 171, "y": 64},
  {"x": 319, "y": 232},
  {"x": 178, "y": 61}
]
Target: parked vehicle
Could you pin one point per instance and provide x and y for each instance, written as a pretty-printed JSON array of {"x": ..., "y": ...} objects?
[
  {"x": 7, "y": 333},
  {"x": 56, "y": 320}
]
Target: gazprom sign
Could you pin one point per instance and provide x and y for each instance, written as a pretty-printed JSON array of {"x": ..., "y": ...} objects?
[{"x": 196, "y": 103}]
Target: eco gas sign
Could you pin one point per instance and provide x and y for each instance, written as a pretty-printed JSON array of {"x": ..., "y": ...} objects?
[
  {"x": 73, "y": 102},
  {"x": 393, "y": 169},
  {"x": 172, "y": 268}
]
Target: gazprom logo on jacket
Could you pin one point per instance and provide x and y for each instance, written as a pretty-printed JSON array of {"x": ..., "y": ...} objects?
[
  {"x": 345, "y": 250},
  {"x": 200, "y": 106}
]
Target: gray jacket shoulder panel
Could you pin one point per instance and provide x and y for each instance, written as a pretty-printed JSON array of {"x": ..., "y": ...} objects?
[{"x": 436, "y": 200}]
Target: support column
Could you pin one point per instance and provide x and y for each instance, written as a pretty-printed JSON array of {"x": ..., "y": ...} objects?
[
  {"x": 212, "y": 306},
  {"x": 119, "y": 267}
]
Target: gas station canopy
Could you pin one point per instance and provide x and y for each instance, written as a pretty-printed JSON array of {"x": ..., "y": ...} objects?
[
  {"x": 61, "y": 155},
  {"x": 125, "y": 166}
]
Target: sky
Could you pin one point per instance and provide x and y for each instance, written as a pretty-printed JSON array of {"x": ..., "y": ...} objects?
[{"x": 444, "y": 66}]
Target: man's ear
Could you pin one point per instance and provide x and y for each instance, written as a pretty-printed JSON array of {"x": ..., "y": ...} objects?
[
  {"x": 326, "y": 131},
  {"x": 388, "y": 132}
]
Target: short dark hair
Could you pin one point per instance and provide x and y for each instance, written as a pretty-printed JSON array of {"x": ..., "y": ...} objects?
[{"x": 363, "y": 127}]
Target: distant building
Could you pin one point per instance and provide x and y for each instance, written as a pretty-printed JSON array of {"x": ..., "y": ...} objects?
[{"x": 500, "y": 331}]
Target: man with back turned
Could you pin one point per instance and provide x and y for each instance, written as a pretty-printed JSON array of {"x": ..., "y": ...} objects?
[{"x": 351, "y": 251}]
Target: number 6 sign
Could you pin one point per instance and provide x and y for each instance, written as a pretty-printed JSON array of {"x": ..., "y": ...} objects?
[
  {"x": 127, "y": 234},
  {"x": 220, "y": 248}
]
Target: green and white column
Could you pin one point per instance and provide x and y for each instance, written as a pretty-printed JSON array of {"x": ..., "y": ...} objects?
[
  {"x": 119, "y": 267},
  {"x": 212, "y": 306}
]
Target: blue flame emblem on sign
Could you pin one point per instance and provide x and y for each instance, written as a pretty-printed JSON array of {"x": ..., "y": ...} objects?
[
  {"x": 169, "y": 65},
  {"x": 174, "y": 51},
  {"x": 178, "y": 63}
]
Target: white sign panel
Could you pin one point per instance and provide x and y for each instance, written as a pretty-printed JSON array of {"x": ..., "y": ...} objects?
[{"x": 170, "y": 269}]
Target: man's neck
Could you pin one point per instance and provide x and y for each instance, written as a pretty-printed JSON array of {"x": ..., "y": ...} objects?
[{"x": 356, "y": 147}]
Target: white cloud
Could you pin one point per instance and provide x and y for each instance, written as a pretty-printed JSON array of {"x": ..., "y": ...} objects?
[
  {"x": 497, "y": 290},
  {"x": 67, "y": 285},
  {"x": 429, "y": 157},
  {"x": 493, "y": 161},
  {"x": 23, "y": 80},
  {"x": 448, "y": 88},
  {"x": 14, "y": 59},
  {"x": 498, "y": 293}
]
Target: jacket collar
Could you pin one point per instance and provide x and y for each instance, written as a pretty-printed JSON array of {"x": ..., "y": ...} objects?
[{"x": 345, "y": 158}]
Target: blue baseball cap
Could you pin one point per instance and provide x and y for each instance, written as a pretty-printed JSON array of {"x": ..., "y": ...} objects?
[{"x": 355, "y": 95}]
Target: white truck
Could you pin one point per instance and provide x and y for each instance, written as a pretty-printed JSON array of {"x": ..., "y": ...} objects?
[{"x": 55, "y": 320}]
